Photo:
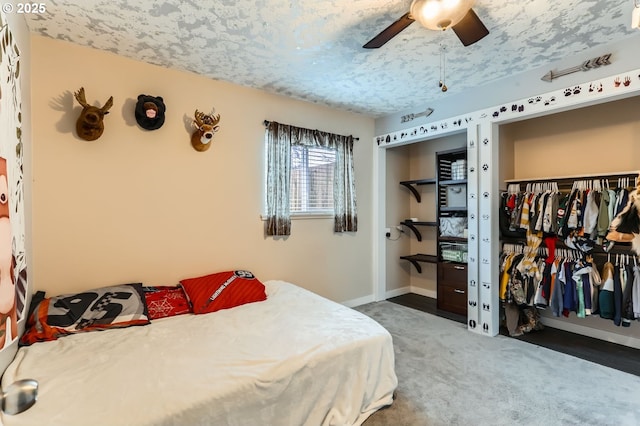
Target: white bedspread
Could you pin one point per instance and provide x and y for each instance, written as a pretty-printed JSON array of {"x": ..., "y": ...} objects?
[{"x": 294, "y": 359}]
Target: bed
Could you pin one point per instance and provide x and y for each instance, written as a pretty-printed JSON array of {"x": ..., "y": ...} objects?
[{"x": 292, "y": 359}]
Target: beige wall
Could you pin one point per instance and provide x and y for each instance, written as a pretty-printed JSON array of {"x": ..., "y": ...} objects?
[
  {"x": 598, "y": 139},
  {"x": 397, "y": 208},
  {"x": 411, "y": 162},
  {"x": 140, "y": 205}
]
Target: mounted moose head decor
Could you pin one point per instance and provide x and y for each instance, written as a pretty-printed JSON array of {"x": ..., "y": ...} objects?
[
  {"x": 90, "y": 124},
  {"x": 206, "y": 126}
]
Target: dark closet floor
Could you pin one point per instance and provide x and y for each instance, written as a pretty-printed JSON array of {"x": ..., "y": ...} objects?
[{"x": 612, "y": 355}]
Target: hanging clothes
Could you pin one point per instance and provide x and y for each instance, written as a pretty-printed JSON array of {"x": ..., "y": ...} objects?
[
  {"x": 606, "y": 299},
  {"x": 636, "y": 292},
  {"x": 578, "y": 219},
  {"x": 627, "y": 298}
]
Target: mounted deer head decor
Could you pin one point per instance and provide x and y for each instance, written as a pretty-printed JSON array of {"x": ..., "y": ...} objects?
[
  {"x": 206, "y": 126},
  {"x": 90, "y": 124}
]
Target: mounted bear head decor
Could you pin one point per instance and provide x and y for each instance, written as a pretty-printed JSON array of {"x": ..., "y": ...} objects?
[
  {"x": 90, "y": 124},
  {"x": 150, "y": 112},
  {"x": 206, "y": 126}
]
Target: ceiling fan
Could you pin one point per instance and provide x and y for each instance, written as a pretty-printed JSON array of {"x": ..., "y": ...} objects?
[{"x": 437, "y": 15}]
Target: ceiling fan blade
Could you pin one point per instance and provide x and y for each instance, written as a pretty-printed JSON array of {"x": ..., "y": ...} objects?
[
  {"x": 470, "y": 29},
  {"x": 390, "y": 32}
]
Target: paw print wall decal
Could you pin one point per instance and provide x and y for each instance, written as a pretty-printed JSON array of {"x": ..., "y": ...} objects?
[{"x": 572, "y": 91}]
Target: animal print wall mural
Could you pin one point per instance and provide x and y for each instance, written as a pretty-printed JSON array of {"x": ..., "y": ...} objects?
[{"x": 13, "y": 265}]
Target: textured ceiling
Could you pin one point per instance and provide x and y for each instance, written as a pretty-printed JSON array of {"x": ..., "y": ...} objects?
[{"x": 312, "y": 49}]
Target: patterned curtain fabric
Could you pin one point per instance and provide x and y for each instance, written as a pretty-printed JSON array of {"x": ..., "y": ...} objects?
[
  {"x": 280, "y": 138},
  {"x": 278, "y": 173},
  {"x": 344, "y": 187}
]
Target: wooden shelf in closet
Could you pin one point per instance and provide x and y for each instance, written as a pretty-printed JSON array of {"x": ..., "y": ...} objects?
[
  {"x": 411, "y": 185},
  {"x": 412, "y": 225},
  {"x": 452, "y": 182},
  {"x": 453, "y": 239},
  {"x": 452, "y": 275},
  {"x": 416, "y": 259},
  {"x": 453, "y": 209}
]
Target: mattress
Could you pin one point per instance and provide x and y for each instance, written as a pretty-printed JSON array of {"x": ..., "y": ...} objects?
[{"x": 294, "y": 359}]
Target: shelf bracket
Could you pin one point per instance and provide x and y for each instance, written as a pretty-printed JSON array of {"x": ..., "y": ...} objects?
[
  {"x": 412, "y": 189},
  {"x": 416, "y": 264},
  {"x": 415, "y": 258},
  {"x": 409, "y": 224}
]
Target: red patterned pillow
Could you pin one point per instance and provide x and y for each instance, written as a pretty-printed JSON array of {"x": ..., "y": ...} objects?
[
  {"x": 223, "y": 290},
  {"x": 166, "y": 301}
]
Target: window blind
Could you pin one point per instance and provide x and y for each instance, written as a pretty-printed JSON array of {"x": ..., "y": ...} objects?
[{"x": 312, "y": 174}]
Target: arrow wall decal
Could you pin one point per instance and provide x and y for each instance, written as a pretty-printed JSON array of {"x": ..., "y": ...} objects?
[
  {"x": 410, "y": 117},
  {"x": 585, "y": 66}
]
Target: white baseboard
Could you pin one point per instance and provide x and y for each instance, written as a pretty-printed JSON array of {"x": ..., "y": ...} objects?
[
  {"x": 389, "y": 294},
  {"x": 397, "y": 292},
  {"x": 592, "y": 332},
  {"x": 424, "y": 292},
  {"x": 359, "y": 301},
  {"x": 411, "y": 289}
]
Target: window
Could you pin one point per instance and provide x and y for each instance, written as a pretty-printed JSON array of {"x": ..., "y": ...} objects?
[
  {"x": 312, "y": 172},
  {"x": 308, "y": 172}
]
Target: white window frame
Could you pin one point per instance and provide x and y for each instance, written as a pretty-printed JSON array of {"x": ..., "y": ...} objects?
[
  {"x": 313, "y": 213},
  {"x": 327, "y": 214}
]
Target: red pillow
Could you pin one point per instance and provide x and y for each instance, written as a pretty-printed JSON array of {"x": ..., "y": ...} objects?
[
  {"x": 166, "y": 301},
  {"x": 223, "y": 290}
]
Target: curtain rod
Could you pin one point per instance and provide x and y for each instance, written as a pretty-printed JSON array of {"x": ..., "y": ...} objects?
[{"x": 267, "y": 122}]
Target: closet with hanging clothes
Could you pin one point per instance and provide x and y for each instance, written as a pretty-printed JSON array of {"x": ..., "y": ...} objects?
[
  {"x": 560, "y": 264},
  {"x": 559, "y": 233}
]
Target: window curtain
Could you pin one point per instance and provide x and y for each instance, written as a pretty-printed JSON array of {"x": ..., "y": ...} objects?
[
  {"x": 344, "y": 188},
  {"x": 278, "y": 173},
  {"x": 280, "y": 138}
]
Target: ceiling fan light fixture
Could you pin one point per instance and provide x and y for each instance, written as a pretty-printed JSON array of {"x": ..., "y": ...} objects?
[{"x": 440, "y": 14}]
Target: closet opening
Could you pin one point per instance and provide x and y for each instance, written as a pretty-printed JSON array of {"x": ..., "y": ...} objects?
[
  {"x": 593, "y": 143},
  {"x": 411, "y": 216}
]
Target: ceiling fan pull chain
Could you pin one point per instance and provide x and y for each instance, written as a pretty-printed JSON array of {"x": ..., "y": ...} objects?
[
  {"x": 443, "y": 68},
  {"x": 440, "y": 82}
]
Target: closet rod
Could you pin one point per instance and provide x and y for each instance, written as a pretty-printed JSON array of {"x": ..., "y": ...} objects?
[
  {"x": 618, "y": 248},
  {"x": 616, "y": 175}
]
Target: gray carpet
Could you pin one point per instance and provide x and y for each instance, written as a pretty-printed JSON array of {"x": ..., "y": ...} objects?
[{"x": 450, "y": 376}]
